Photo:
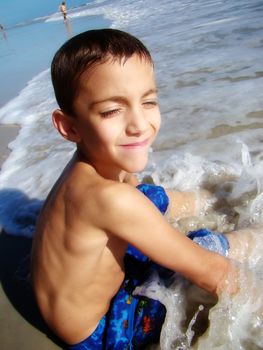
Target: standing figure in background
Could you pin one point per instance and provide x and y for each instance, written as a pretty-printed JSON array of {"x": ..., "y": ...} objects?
[
  {"x": 3, "y": 32},
  {"x": 63, "y": 10}
]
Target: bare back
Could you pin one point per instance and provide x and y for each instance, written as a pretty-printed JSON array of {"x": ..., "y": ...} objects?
[{"x": 76, "y": 266}]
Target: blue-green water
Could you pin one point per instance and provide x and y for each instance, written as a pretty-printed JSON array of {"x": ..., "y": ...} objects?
[{"x": 30, "y": 43}]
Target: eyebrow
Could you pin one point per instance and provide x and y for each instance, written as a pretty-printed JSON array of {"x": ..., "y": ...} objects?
[{"x": 121, "y": 98}]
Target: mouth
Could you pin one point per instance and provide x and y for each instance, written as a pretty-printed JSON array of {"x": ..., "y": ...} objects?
[{"x": 136, "y": 145}]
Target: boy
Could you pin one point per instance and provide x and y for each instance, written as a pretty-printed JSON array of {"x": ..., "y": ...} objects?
[
  {"x": 83, "y": 271},
  {"x": 63, "y": 9}
]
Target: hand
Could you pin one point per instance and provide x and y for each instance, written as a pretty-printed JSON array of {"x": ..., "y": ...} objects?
[
  {"x": 229, "y": 284},
  {"x": 203, "y": 201}
]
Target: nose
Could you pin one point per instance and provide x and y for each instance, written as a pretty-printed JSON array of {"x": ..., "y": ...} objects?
[{"x": 137, "y": 122}]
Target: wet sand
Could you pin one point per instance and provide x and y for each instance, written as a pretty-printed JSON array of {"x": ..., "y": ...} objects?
[
  {"x": 7, "y": 134},
  {"x": 21, "y": 326}
]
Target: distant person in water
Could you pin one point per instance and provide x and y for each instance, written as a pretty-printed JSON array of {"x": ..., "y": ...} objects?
[
  {"x": 63, "y": 10},
  {"x": 100, "y": 232},
  {"x": 3, "y": 31}
]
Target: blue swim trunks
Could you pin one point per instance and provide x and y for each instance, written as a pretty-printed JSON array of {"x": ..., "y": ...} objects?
[
  {"x": 132, "y": 322},
  {"x": 214, "y": 241},
  {"x": 135, "y": 321}
]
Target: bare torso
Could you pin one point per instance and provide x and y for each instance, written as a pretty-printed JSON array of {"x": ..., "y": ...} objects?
[
  {"x": 76, "y": 266},
  {"x": 80, "y": 242}
]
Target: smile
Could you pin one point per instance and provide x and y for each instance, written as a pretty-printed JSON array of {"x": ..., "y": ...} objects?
[{"x": 135, "y": 145}]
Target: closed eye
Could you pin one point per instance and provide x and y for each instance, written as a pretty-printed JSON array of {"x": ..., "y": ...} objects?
[
  {"x": 110, "y": 113},
  {"x": 150, "y": 104}
]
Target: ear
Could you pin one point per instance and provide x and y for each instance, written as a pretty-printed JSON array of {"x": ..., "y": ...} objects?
[{"x": 66, "y": 126}]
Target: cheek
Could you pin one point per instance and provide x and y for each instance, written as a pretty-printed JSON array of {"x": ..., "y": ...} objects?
[
  {"x": 157, "y": 121},
  {"x": 106, "y": 135}
]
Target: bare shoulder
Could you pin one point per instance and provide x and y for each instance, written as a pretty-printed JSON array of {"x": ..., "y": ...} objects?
[
  {"x": 119, "y": 196},
  {"x": 124, "y": 208},
  {"x": 93, "y": 197},
  {"x": 114, "y": 197},
  {"x": 108, "y": 202}
]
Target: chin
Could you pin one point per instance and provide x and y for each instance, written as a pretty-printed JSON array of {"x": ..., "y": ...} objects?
[{"x": 137, "y": 166}]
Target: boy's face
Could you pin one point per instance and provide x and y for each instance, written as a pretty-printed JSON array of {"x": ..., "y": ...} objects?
[{"x": 117, "y": 115}]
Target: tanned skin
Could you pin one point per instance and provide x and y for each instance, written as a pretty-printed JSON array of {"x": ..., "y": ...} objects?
[{"x": 94, "y": 210}]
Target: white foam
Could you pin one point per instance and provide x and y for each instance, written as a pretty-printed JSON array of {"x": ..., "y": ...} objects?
[
  {"x": 37, "y": 147},
  {"x": 219, "y": 21},
  {"x": 229, "y": 321}
]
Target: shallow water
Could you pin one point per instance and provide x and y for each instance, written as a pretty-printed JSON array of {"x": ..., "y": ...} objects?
[{"x": 208, "y": 58}]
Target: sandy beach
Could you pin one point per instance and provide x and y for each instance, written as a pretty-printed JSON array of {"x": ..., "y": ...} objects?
[
  {"x": 19, "y": 321},
  {"x": 7, "y": 134}
]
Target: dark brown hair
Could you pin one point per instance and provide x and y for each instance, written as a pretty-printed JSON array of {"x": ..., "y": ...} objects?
[{"x": 85, "y": 51}]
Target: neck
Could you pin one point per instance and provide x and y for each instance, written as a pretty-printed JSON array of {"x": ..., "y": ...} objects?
[{"x": 118, "y": 175}]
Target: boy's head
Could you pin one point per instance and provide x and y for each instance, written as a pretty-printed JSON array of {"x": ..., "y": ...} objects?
[{"x": 84, "y": 52}]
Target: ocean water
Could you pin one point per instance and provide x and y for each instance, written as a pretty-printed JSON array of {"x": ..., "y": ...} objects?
[
  {"x": 28, "y": 43},
  {"x": 208, "y": 60}
]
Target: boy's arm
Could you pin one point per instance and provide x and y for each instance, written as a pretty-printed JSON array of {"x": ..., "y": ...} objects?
[
  {"x": 131, "y": 217},
  {"x": 185, "y": 204}
]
